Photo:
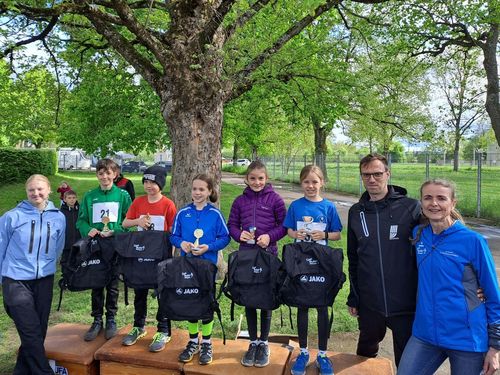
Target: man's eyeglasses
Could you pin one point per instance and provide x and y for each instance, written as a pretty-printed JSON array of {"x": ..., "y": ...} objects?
[{"x": 375, "y": 175}]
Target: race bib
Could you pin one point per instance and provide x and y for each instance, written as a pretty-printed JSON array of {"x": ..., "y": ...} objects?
[
  {"x": 103, "y": 209},
  {"x": 157, "y": 222},
  {"x": 309, "y": 227}
]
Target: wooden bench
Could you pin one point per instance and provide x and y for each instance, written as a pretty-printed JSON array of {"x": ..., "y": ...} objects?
[
  {"x": 346, "y": 364},
  {"x": 117, "y": 359},
  {"x": 64, "y": 344}
]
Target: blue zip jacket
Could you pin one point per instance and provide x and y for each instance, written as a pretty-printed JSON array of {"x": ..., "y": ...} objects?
[
  {"x": 451, "y": 267},
  {"x": 31, "y": 241},
  {"x": 210, "y": 220}
]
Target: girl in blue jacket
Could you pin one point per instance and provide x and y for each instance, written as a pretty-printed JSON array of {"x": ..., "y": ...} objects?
[
  {"x": 200, "y": 230},
  {"x": 451, "y": 321},
  {"x": 31, "y": 240}
]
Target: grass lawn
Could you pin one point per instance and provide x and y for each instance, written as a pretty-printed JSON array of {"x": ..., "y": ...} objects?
[{"x": 76, "y": 305}]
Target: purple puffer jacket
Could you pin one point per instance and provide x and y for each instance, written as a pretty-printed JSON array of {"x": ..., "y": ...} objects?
[{"x": 264, "y": 210}]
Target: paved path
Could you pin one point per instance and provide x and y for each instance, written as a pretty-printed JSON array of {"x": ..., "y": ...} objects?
[{"x": 346, "y": 341}]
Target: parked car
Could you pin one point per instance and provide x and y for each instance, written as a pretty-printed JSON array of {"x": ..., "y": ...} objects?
[
  {"x": 165, "y": 164},
  {"x": 226, "y": 161},
  {"x": 134, "y": 166},
  {"x": 243, "y": 162}
]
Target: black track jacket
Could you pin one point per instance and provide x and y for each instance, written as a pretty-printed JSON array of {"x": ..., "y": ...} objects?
[{"x": 382, "y": 266}]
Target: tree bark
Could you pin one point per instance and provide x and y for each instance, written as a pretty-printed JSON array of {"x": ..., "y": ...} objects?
[
  {"x": 456, "y": 149},
  {"x": 320, "y": 147},
  {"x": 192, "y": 101},
  {"x": 492, "y": 89}
]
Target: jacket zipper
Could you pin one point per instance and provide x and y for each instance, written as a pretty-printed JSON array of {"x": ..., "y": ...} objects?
[
  {"x": 48, "y": 238},
  {"x": 39, "y": 243},
  {"x": 381, "y": 262},
  {"x": 32, "y": 236}
]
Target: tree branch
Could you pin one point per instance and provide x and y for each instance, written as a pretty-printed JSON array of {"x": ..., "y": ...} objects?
[
  {"x": 212, "y": 26},
  {"x": 143, "y": 36},
  {"x": 242, "y": 77},
  {"x": 123, "y": 46},
  {"x": 50, "y": 26},
  {"x": 245, "y": 17}
]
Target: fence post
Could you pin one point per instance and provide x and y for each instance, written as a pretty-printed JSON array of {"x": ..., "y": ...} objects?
[
  {"x": 305, "y": 160},
  {"x": 338, "y": 172},
  {"x": 293, "y": 169},
  {"x": 479, "y": 165},
  {"x": 427, "y": 162}
]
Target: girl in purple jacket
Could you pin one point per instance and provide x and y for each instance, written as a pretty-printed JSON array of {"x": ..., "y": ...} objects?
[{"x": 256, "y": 220}]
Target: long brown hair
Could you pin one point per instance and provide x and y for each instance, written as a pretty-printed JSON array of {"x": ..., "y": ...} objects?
[
  {"x": 210, "y": 185},
  {"x": 455, "y": 215}
]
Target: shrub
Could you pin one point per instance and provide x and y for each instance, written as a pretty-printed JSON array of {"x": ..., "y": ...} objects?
[{"x": 16, "y": 165}]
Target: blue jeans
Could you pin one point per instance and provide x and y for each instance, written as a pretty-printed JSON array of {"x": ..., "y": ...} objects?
[{"x": 421, "y": 358}]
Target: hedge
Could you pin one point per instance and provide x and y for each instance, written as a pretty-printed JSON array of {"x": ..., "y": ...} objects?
[{"x": 16, "y": 165}]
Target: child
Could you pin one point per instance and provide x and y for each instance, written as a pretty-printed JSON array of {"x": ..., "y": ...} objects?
[
  {"x": 312, "y": 218},
  {"x": 125, "y": 184},
  {"x": 63, "y": 188},
  {"x": 70, "y": 208},
  {"x": 101, "y": 214},
  {"x": 212, "y": 235},
  {"x": 256, "y": 220},
  {"x": 31, "y": 239},
  {"x": 152, "y": 211}
]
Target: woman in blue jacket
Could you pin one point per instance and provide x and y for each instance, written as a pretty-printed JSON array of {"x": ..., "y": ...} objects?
[
  {"x": 200, "y": 230},
  {"x": 451, "y": 321},
  {"x": 31, "y": 240}
]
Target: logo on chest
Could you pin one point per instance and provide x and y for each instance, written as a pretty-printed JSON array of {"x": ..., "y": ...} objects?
[{"x": 393, "y": 233}]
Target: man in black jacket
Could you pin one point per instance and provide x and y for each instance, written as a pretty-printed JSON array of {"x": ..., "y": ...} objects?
[{"x": 382, "y": 267}]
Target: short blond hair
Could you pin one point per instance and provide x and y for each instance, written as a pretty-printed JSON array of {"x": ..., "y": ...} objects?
[{"x": 37, "y": 177}]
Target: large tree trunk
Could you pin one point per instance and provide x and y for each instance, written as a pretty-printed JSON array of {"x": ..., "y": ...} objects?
[
  {"x": 492, "y": 89},
  {"x": 192, "y": 101}
]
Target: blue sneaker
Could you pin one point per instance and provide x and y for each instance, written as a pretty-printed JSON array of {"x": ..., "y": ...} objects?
[
  {"x": 299, "y": 367},
  {"x": 324, "y": 365}
]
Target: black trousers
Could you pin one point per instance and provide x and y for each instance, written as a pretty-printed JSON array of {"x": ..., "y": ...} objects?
[
  {"x": 141, "y": 312},
  {"x": 27, "y": 302},
  {"x": 372, "y": 329},
  {"x": 265, "y": 323},
  {"x": 323, "y": 327},
  {"x": 111, "y": 298}
]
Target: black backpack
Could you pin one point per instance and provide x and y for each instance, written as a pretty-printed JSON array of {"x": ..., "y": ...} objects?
[
  {"x": 139, "y": 254},
  {"x": 314, "y": 274},
  {"x": 254, "y": 279},
  {"x": 186, "y": 288},
  {"x": 90, "y": 264}
]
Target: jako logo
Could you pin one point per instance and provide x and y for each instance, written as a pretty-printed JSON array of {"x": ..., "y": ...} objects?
[
  {"x": 312, "y": 261},
  {"x": 191, "y": 291},
  {"x": 187, "y": 276},
  {"x": 91, "y": 262},
  {"x": 257, "y": 269},
  {"x": 140, "y": 260},
  {"x": 139, "y": 247},
  {"x": 303, "y": 278},
  {"x": 178, "y": 291},
  {"x": 317, "y": 279}
]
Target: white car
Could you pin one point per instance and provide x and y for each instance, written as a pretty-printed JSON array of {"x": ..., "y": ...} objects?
[{"x": 243, "y": 162}]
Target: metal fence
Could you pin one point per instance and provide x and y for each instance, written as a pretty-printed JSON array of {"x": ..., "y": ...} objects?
[{"x": 477, "y": 180}]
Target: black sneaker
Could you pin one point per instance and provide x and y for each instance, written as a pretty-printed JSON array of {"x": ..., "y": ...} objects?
[
  {"x": 248, "y": 359},
  {"x": 205, "y": 353},
  {"x": 93, "y": 331},
  {"x": 191, "y": 349},
  {"x": 110, "y": 330},
  {"x": 262, "y": 355}
]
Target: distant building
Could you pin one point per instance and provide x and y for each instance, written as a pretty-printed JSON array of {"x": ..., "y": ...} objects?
[{"x": 164, "y": 155}]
